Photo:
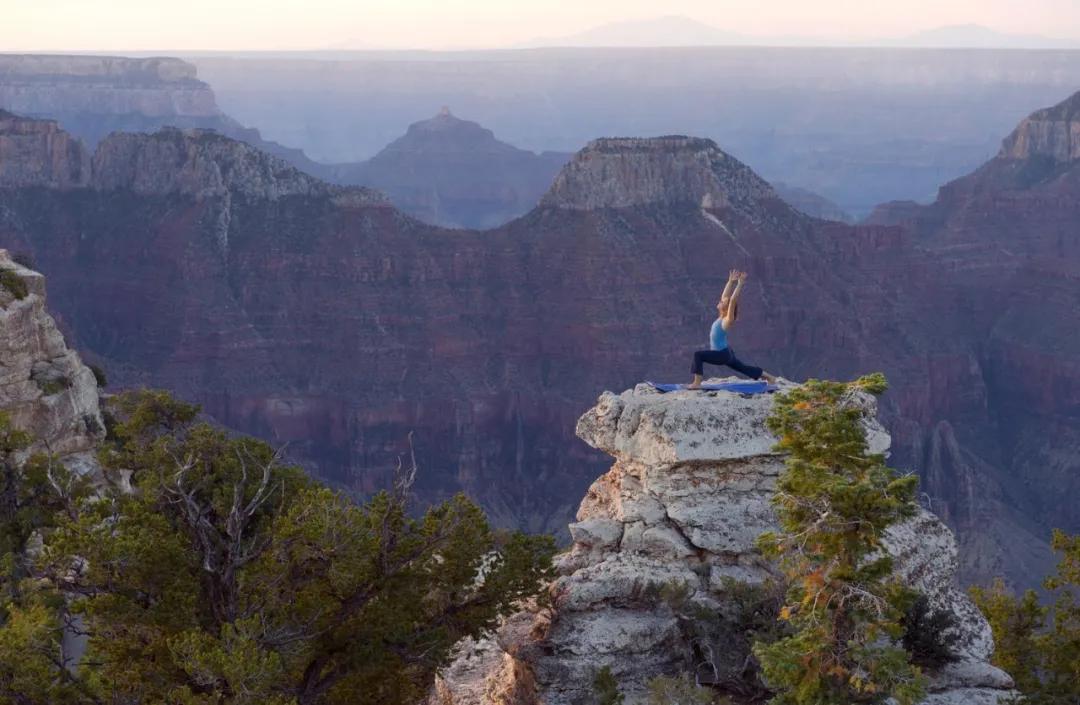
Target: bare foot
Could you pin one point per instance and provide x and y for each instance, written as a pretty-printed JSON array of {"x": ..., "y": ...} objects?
[
  {"x": 768, "y": 378},
  {"x": 694, "y": 385}
]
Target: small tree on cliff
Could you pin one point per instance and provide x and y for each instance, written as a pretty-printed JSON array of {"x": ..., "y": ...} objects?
[
  {"x": 834, "y": 502},
  {"x": 224, "y": 576},
  {"x": 32, "y": 492},
  {"x": 1040, "y": 646}
]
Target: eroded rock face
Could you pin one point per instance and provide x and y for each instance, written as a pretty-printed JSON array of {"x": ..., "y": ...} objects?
[
  {"x": 687, "y": 497},
  {"x": 202, "y": 163},
  {"x": 95, "y": 96},
  {"x": 155, "y": 87},
  {"x": 618, "y": 173},
  {"x": 44, "y": 386},
  {"x": 39, "y": 153},
  {"x": 1052, "y": 133}
]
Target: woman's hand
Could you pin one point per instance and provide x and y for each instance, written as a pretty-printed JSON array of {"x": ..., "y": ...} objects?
[
  {"x": 741, "y": 276},
  {"x": 733, "y": 275}
]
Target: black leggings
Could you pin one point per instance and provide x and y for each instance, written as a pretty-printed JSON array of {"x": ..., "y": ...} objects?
[{"x": 723, "y": 357}]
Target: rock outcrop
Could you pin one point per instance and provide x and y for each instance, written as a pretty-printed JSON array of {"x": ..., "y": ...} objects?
[
  {"x": 203, "y": 163},
  {"x": 53, "y": 85},
  {"x": 44, "y": 386},
  {"x": 39, "y": 153},
  {"x": 684, "y": 502},
  {"x": 619, "y": 173},
  {"x": 1052, "y": 133}
]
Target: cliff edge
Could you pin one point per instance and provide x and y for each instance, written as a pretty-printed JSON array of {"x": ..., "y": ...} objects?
[
  {"x": 44, "y": 386},
  {"x": 684, "y": 502}
]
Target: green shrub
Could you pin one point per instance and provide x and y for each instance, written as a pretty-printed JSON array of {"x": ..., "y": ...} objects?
[
  {"x": 54, "y": 385},
  {"x": 606, "y": 688},
  {"x": 93, "y": 426},
  {"x": 722, "y": 640},
  {"x": 13, "y": 283},
  {"x": 99, "y": 376},
  {"x": 24, "y": 258},
  {"x": 930, "y": 635},
  {"x": 1039, "y": 646},
  {"x": 680, "y": 690}
]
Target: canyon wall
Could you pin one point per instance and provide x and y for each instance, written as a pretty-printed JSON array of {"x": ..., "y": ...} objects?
[{"x": 321, "y": 317}]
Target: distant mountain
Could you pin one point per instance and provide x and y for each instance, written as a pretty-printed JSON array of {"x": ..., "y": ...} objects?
[
  {"x": 974, "y": 36},
  {"x": 670, "y": 30},
  {"x": 681, "y": 31},
  {"x": 812, "y": 204},
  {"x": 452, "y": 172}
]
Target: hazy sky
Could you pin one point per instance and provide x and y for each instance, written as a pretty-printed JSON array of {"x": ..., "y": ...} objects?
[{"x": 118, "y": 25}]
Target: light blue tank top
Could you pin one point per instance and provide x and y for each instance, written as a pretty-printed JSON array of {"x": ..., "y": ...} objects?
[{"x": 717, "y": 335}]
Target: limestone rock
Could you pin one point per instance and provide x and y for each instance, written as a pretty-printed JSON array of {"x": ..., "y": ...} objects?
[
  {"x": 1052, "y": 133},
  {"x": 44, "y": 386},
  {"x": 154, "y": 86},
  {"x": 684, "y": 502},
  {"x": 623, "y": 172},
  {"x": 39, "y": 153},
  {"x": 203, "y": 163}
]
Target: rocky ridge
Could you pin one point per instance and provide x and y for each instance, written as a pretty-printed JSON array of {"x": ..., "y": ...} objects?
[
  {"x": 158, "y": 87},
  {"x": 1052, "y": 133},
  {"x": 203, "y": 163},
  {"x": 625, "y": 172},
  {"x": 191, "y": 162},
  {"x": 44, "y": 385},
  {"x": 94, "y": 96},
  {"x": 684, "y": 502}
]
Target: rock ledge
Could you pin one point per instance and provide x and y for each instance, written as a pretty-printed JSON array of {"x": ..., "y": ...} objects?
[{"x": 686, "y": 498}]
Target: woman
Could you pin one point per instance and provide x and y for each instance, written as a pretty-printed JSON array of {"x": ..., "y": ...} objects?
[{"x": 719, "y": 352}]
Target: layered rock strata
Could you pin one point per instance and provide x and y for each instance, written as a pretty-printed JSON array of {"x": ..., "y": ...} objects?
[
  {"x": 311, "y": 314},
  {"x": 684, "y": 502},
  {"x": 95, "y": 96}
]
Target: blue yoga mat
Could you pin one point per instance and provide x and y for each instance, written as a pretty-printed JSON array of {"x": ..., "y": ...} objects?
[{"x": 737, "y": 387}]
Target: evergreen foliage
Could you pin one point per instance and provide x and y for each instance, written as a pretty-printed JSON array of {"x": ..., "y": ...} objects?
[
  {"x": 606, "y": 688},
  {"x": 679, "y": 690},
  {"x": 722, "y": 640},
  {"x": 929, "y": 635},
  {"x": 54, "y": 385},
  {"x": 834, "y": 502},
  {"x": 206, "y": 570},
  {"x": 99, "y": 376},
  {"x": 1039, "y": 646},
  {"x": 14, "y": 284}
]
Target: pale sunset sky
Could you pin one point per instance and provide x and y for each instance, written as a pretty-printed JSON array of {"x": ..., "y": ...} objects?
[{"x": 132, "y": 25}]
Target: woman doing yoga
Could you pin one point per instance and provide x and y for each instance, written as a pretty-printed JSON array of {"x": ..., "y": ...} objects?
[{"x": 719, "y": 353}]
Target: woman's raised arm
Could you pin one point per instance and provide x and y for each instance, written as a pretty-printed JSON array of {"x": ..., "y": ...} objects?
[
  {"x": 730, "y": 314},
  {"x": 732, "y": 276}
]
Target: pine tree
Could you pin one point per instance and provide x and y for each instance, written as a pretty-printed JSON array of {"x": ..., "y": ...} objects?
[
  {"x": 207, "y": 570},
  {"x": 834, "y": 502},
  {"x": 1039, "y": 646}
]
